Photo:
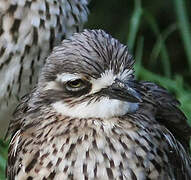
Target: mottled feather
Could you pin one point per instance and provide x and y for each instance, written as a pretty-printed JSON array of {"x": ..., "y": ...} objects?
[
  {"x": 142, "y": 135},
  {"x": 28, "y": 32}
]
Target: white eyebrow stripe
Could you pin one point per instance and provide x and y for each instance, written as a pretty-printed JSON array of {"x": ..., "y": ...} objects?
[
  {"x": 107, "y": 79},
  {"x": 64, "y": 77}
]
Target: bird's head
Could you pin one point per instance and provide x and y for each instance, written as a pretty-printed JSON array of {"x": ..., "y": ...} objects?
[{"x": 90, "y": 75}]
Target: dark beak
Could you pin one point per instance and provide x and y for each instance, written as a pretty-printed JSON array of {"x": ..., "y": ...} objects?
[{"x": 124, "y": 91}]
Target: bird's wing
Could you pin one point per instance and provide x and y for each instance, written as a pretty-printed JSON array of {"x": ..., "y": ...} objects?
[
  {"x": 18, "y": 119},
  {"x": 167, "y": 111},
  {"x": 15, "y": 131},
  {"x": 12, "y": 166}
]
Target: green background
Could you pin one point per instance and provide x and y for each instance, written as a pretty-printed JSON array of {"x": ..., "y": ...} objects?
[{"x": 158, "y": 36}]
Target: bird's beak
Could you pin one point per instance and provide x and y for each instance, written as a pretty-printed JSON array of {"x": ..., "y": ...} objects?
[{"x": 124, "y": 91}]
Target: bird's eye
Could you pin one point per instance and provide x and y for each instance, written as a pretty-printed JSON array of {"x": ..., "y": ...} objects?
[{"x": 75, "y": 85}]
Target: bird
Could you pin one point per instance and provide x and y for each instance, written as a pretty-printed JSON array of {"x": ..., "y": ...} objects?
[
  {"x": 28, "y": 32},
  {"x": 90, "y": 118}
]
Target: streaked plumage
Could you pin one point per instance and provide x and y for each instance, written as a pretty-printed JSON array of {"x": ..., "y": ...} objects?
[
  {"x": 88, "y": 118},
  {"x": 28, "y": 31}
]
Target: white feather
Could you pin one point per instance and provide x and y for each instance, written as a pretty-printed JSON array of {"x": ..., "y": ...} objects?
[
  {"x": 15, "y": 142},
  {"x": 106, "y": 79},
  {"x": 64, "y": 77},
  {"x": 105, "y": 108}
]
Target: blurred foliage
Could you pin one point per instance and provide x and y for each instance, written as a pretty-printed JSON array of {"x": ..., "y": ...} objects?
[
  {"x": 158, "y": 35},
  {"x": 3, "y": 157}
]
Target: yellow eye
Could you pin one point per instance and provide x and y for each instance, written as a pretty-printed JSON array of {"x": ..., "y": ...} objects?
[
  {"x": 75, "y": 84},
  {"x": 78, "y": 86}
]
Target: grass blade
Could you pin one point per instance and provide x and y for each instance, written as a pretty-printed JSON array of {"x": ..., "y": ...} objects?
[
  {"x": 138, "y": 56},
  {"x": 134, "y": 24},
  {"x": 184, "y": 27}
]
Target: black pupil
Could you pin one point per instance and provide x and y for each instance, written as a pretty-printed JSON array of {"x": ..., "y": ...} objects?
[{"x": 76, "y": 82}]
